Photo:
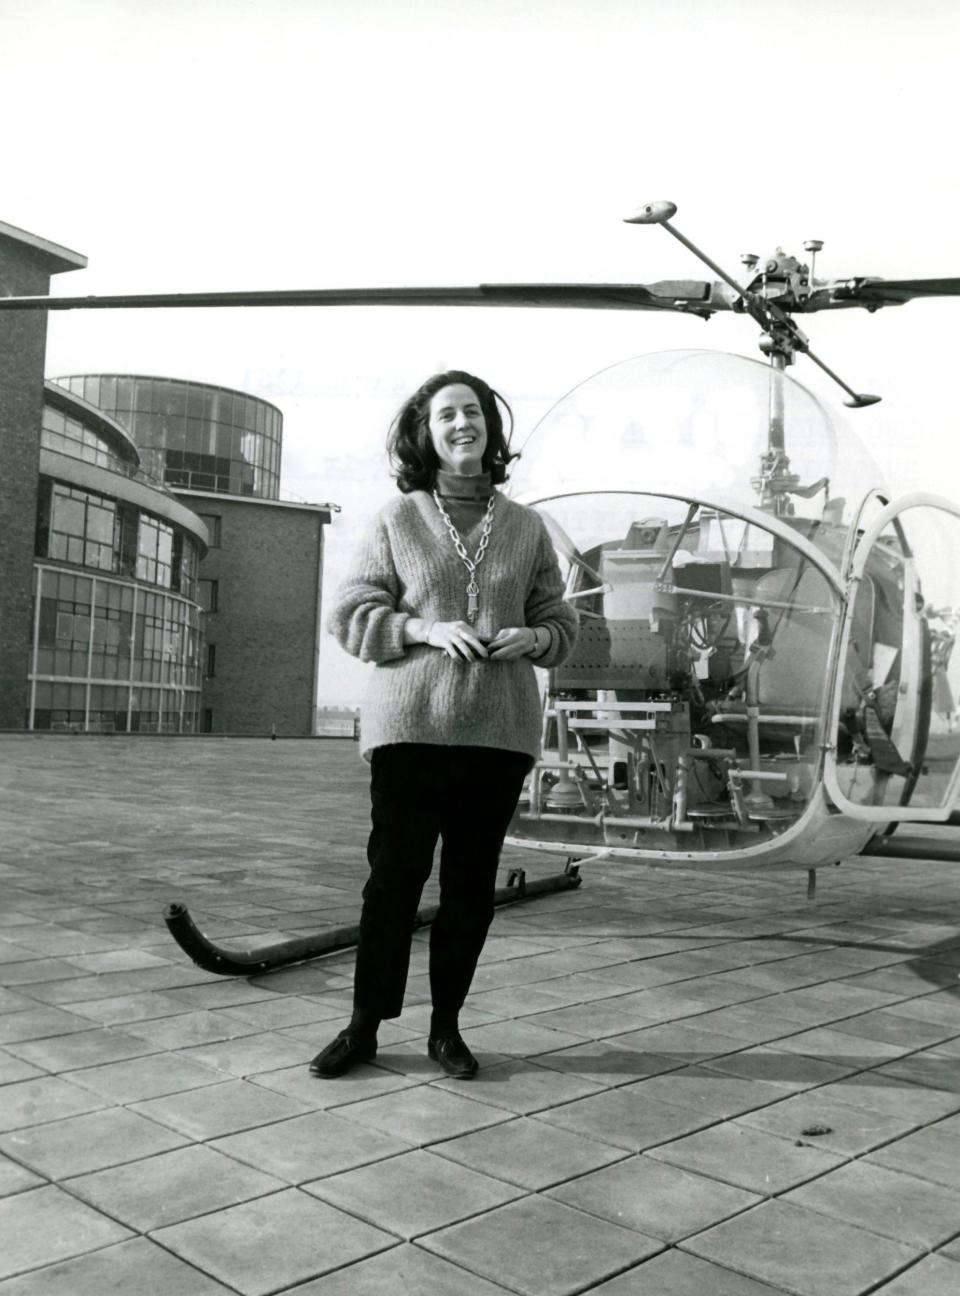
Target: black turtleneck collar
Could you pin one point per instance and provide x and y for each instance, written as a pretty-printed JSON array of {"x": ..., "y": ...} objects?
[{"x": 454, "y": 486}]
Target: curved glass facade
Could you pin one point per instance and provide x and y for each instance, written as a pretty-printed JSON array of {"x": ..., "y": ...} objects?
[
  {"x": 193, "y": 435},
  {"x": 109, "y": 656},
  {"x": 117, "y": 641},
  {"x": 83, "y": 527},
  {"x": 67, "y": 435}
]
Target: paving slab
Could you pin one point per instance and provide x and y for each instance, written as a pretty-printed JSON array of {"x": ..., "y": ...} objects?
[
  {"x": 898, "y": 1206},
  {"x": 930, "y": 1154},
  {"x": 14, "y": 1178},
  {"x": 686, "y": 1040},
  {"x": 519, "y": 1038},
  {"x": 250, "y": 1055},
  {"x": 659, "y": 1200},
  {"x": 47, "y": 1224},
  {"x": 675, "y": 1273},
  {"x": 781, "y": 1067},
  {"x": 78, "y": 1144},
  {"x": 88, "y": 1048},
  {"x": 625, "y": 1120},
  {"x": 538, "y": 1247},
  {"x": 942, "y": 1008},
  {"x": 138, "y": 1266},
  {"x": 274, "y": 1242},
  {"x": 14, "y": 1068},
  {"x": 39, "y": 1023},
  {"x": 307, "y": 1147},
  {"x": 424, "y": 1114},
  {"x": 608, "y": 1063},
  {"x": 801, "y": 1252},
  {"x": 931, "y": 1276},
  {"x": 893, "y": 1095},
  {"x": 171, "y": 1187},
  {"x": 407, "y": 1269},
  {"x": 830, "y": 1044},
  {"x": 530, "y": 1154},
  {"x": 709, "y": 1092},
  {"x": 139, "y": 1079},
  {"x": 929, "y": 1068},
  {"x": 414, "y": 1193},
  {"x": 34, "y": 1102},
  {"x": 123, "y": 1009},
  {"x": 820, "y": 1121},
  {"x": 215, "y": 1110},
  {"x": 890, "y": 1026},
  {"x": 364, "y": 1081},
  {"x": 748, "y": 1158},
  {"x": 523, "y": 1087}
]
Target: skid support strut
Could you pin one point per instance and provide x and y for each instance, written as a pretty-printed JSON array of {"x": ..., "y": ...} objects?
[{"x": 268, "y": 958}]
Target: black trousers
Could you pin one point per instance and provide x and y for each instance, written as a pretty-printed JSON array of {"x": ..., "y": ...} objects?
[{"x": 421, "y": 792}]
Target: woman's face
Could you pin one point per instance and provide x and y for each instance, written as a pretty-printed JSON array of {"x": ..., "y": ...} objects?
[{"x": 458, "y": 429}]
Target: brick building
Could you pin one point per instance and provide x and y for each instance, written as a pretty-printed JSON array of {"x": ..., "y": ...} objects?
[
  {"x": 151, "y": 579},
  {"x": 26, "y": 266},
  {"x": 218, "y": 450}
]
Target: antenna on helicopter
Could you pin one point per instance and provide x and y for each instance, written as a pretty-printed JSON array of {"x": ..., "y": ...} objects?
[{"x": 780, "y": 341}]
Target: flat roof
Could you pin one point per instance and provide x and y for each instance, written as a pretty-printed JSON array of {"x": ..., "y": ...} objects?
[
  {"x": 62, "y": 257},
  {"x": 168, "y": 378},
  {"x": 253, "y": 499}
]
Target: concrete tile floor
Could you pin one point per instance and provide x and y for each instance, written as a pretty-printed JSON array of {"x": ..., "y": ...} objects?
[{"x": 692, "y": 1083}]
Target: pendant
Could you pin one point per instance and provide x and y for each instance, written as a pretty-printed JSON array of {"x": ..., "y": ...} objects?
[{"x": 473, "y": 601}]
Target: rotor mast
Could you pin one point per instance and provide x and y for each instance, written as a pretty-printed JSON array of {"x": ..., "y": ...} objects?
[{"x": 780, "y": 341}]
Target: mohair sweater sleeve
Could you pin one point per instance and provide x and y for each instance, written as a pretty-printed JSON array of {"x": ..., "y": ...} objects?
[
  {"x": 364, "y": 619},
  {"x": 545, "y": 606}
]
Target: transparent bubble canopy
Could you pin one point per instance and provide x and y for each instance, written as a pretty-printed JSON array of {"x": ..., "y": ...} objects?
[{"x": 689, "y": 423}]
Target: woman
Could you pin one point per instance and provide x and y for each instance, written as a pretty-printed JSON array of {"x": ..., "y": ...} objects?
[{"x": 454, "y": 595}]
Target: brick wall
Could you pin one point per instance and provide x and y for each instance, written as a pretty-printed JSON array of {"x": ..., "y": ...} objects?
[
  {"x": 24, "y": 271},
  {"x": 268, "y": 571}
]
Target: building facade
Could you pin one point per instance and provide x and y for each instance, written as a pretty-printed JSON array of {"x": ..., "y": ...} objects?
[
  {"x": 26, "y": 266},
  {"x": 193, "y": 435},
  {"x": 218, "y": 450},
  {"x": 260, "y": 590},
  {"x": 116, "y": 637},
  {"x": 151, "y": 579}
]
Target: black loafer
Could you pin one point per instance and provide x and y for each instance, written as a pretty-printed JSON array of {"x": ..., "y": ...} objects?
[
  {"x": 454, "y": 1056},
  {"x": 341, "y": 1054}
]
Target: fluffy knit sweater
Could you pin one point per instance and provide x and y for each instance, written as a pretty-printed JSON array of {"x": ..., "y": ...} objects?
[{"x": 408, "y": 566}]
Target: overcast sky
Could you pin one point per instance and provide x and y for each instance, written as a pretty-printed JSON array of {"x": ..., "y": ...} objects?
[{"x": 229, "y": 144}]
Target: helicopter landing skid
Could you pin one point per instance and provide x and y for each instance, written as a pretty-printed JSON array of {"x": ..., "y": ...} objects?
[{"x": 269, "y": 958}]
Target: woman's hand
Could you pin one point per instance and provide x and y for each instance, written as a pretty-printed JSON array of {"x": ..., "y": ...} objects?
[
  {"x": 457, "y": 639},
  {"x": 512, "y": 641}
]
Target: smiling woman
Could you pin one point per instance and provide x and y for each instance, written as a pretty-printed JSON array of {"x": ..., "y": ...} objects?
[
  {"x": 458, "y": 429},
  {"x": 454, "y": 595},
  {"x": 450, "y": 408}
]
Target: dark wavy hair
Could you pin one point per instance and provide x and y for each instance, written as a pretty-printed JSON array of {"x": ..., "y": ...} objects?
[{"x": 412, "y": 457}]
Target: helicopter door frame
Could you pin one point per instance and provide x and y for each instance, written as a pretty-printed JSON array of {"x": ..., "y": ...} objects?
[
  {"x": 882, "y": 814},
  {"x": 755, "y": 517}
]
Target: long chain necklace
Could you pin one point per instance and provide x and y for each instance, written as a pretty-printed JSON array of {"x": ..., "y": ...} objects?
[{"x": 471, "y": 564}]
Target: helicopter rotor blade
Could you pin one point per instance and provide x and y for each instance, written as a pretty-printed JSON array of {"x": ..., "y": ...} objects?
[
  {"x": 690, "y": 296},
  {"x": 873, "y": 293}
]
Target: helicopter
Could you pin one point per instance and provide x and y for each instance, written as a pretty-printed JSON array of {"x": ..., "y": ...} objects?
[
  {"x": 762, "y": 674},
  {"x": 754, "y": 679}
]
